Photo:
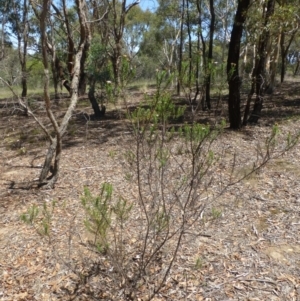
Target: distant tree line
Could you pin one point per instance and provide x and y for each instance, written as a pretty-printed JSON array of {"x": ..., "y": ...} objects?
[{"x": 203, "y": 42}]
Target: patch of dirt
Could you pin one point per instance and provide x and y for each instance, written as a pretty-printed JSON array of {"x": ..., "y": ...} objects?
[
  {"x": 281, "y": 253},
  {"x": 246, "y": 248}
]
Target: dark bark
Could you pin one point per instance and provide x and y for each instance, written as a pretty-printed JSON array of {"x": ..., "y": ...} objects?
[
  {"x": 59, "y": 71},
  {"x": 3, "y": 22},
  {"x": 234, "y": 80},
  {"x": 260, "y": 70},
  {"x": 83, "y": 76},
  {"x": 284, "y": 53},
  {"x": 210, "y": 53},
  {"x": 24, "y": 88},
  {"x": 247, "y": 108},
  {"x": 97, "y": 111},
  {"x": 190, "y": 70},
  {"x": 71, "y": 47},
  {"x": 273, "y": 67},
  {"x": 82, "y": 83},
  {"x": 199, "y": 39},
  {"x": 23, "y": 60},
  {"x": 180, "y": 49},
  {"x": 283, "y": 57},
  {"x": 48, "y": 162},
  {"x": 24, "y": 80},
  {"x": 115, "y": 59},
  {"x": 203, "y": 50},
  {"x": 297, "y": 67}
]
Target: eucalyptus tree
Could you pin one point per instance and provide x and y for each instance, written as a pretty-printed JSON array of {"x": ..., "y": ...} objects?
[
  {"x": 195, "y": 60},
  {"x": 234, "y": 79},
  {"x": 294, "y": 55},
  {"x": 150, "y": 49},
  {"x": 287, "y": 14},
  {"x": 108, "y": 21},
  {"x": 204, "y": 30},
  {"x": 118, "y": 11},
  {"x": 62, "y": 47},
  {"x": 210, "y": 52},
  {"x": 169, "y": 19},
  {"x": 224, "y": 10},
  {"x": 97, "y": 72},
  {"x": 19, "y": 15},
  {"x": 4, "y": 41},
  {"x": 259, "y": 71},
  {"x": 138, "y": 22},
  {"x": 50, "y": 170},
  {"x": 8, "y": 58},
  {"x": 59, "y": 41}
]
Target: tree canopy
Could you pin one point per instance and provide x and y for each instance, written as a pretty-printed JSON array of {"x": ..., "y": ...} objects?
[{"x": 192, "y": 39}]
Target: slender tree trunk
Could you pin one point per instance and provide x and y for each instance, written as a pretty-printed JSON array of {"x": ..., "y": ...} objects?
[
  {"x": 55, "y": 147},
  {"x": 210, "y": 53},
  {"x": 97, "y": 111},
  {"x": 22, "y": 36},
  {"x": 204, "y": 67},
  {"x": 247, "y": 108},
  {"x": 55, "y": 73},
  {"x": 116, "y": 58},
  {"x": 199, "y": 41},
  {"x": 83, "y": 75},
  {"x": 48, "y": 161},
  {"x": 297, "y": 66},
  {"x": 197, "y": 69},
  {"x": 119, "y": 20},
  {"x": 260, "y": 74},
  {"x": 181, "y": 48},
  {"x": 190, "y": 70},
  {"x": 59, "y": 70},
  {"x": 3, "y": 22},
  {"x": 24, "y": 54},
  {"x": 24, "y": 79},
  {"x": 234, "y": 80},
  {"x": 55, "y": 81},
  {"x": 283, "y": 58},
  {"x": 273, "y": 67},
  {"x": 24, "y": 87},
  {"x": 53, "y": 141},
  {"x": 284, "y": 52}
]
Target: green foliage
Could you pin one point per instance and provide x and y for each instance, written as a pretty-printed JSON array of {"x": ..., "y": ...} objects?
[
  {"x": 35, "y": 70},
  {"x": 101, "y": 211},
  {"x": 159, "y": 109},
  {"x": 31, "y": 214},
  {"x": 122, "y": 210},
  {"x": 160, "y": 221},
  {"x": 40, "y": 219},
  {"x": 195, "y": 132},
  {"x": 22, "y": 151},
  {"x": 98, "y": 66},
  {"x": 216, "y": 213},
  {"x": 127, "y": 73},
  {"x": 199, "y": 263},
  {"x": 112, "y": 153},
  {"x": 98, "y": 210},
  {"x": 271, "y": 141},
  {"x": 130, "y": 157}
]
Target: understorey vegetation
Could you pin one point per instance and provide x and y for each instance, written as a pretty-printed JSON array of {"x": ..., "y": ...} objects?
[{"x": 138, "y": 131}]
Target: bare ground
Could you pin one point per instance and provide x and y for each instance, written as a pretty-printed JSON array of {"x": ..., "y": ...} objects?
[{"x": 250, "y": 251}]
